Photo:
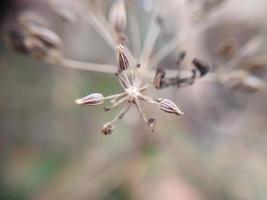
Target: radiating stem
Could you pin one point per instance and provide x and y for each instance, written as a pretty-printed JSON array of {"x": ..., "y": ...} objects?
[
  {"x": 173, "y": 43},
  {"x": 151, "y": 37},
  {"x": 101, "y": 28},
  {"x": 140, "y": 110},
  {"x": 86, "y": 66},
  {"x": 135, "y": 33}
]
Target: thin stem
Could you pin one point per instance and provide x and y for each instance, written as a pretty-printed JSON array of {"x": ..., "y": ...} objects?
[
  {"x": 173, "y": 43},
  {"x": 140, "y": 110},
  {"x": 117, "y": 103},
  {"x": 86, "y": 66},
  {"x": 114, "y": 96},
  {"x": 102, "y": 30},
  {"x": 151, "y": 37},
  {"x": 135, "y": 32},
  {"x": 124, "y": 110}
]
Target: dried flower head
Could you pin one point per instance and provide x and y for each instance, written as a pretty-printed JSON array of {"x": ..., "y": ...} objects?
[{"x": 33, "y": 36}]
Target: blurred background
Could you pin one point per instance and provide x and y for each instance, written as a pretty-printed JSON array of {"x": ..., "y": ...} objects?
[{"x": 52, "y": 149}]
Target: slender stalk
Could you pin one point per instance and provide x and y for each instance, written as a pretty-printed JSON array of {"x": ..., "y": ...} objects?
[
  {"x": 135, "y": 33},
  {"x": 101, "y": 28},
  {"x": 173, "y": 43},
  {"x": 151, "y": 37},
  {"x": 104, "y": 68}
]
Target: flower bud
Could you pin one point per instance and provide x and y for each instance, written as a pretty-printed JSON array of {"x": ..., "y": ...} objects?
[
  {"x": 201, "y": 66},
  {"x": 107, "y": 128},
  {"x": 91, "y": 99},
  {"x": 118, "y": 17},
  {"x": 151, "y": 123},
  {"x": 123, "y": 62},
  {"x": 159, "y": 78},
  {"x": 169, "y": 107}
]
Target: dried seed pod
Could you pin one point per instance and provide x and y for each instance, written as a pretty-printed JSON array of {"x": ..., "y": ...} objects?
[
  {"x": 201, "y": 66},
  {"x": 122, "y": 59},
  {"x": 17, "y": 40},
  {"x": 151, "y": 123},
  {"x": 118, "y": 17},
  {"x": 180, "y": 58},
  {"x": 91, "y": 99},
  {"x": 107, "y": 128},
  {"x": 169, "y": 107},
  {"x": 36, "y": 48},
  {"x": 47, "y": 36},
  {"x": 30, "y": 17},
  {"x": 158, "y": 79}
]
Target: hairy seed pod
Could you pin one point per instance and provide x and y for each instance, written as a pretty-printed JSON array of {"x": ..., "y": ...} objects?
[
  {"x": 201, "y": 66},
  {"x": 91, "y": 99},
  {"x": 169, "y": 107},
  {"x": 107, "y": 128},
  {"x": 118, "y": 17},
  {"x": 122, "y": 59}
]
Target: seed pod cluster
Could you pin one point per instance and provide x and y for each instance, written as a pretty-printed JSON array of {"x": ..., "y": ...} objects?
[{"x": 32, "y": 36}]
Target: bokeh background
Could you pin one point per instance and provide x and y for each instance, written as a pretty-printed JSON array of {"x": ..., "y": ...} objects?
[{"x": 52, "y": 149}]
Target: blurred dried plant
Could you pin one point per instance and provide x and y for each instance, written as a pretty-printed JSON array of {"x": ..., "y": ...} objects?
[
  {"x": 33, "y": 36},
  {"x": 140, "y": 67}
]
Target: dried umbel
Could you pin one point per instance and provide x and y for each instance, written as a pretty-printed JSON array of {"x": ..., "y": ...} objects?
[
  {"x": 33, "y": 36},
  {"x": 133, "y": 94}
]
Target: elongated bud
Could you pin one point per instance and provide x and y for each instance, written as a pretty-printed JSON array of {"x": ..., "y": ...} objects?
[
  {"x": 201, "y": 66},
  {"x": 107, "y": 128},
  {"x": 91, "y": 99},
  {"x": 159, "y": 78},
  {"x": 117, "y": 16},
  {"x": 151, "y": 124},
  {"x": 46, "y": 36},
  {"x": 122, "y": 59},
  {"x": 169, "y": 107}
]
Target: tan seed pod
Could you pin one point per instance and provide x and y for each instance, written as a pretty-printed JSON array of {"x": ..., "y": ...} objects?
[
  {"x": 17, "y": 38},
  {"x": 122, "y": 59},
  {"x": 107, "y": 128},
  {"x": 91, "y": 99},
  {"x": 47, "y": 36},
  {"x": 117, "y": 16},
  {"x": 151, "y": 123},
  {"x": 169, "y": 107}
]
